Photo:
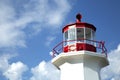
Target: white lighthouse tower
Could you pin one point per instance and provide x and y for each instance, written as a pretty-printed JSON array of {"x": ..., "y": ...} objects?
[{"x": 79, "y": 56}]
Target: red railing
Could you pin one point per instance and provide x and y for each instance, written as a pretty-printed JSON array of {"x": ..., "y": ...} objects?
[{"x": 98, "y": 44}]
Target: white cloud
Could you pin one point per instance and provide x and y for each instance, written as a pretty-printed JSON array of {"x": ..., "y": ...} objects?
[
  {"x": 48, "y": 12},
  {"x": 15, "y": 71},
  {"x": 49, "y": 40},
  {"x": 45, "y": 71},
  {"x": 11, "y": 36},
  {"x": 7, "y": 12},
  {"x": 112, "y": 72},
  {"x": 15, "y": 21},
  {"x": 12, "y": 71},
  {"x": 4, "y": 61},
  {"x": 41, "y": 12}
]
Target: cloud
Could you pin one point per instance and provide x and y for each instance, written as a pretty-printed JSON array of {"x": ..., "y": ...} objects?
[
  {"x": 27, "y": 20},
  {"x": 4, "y": 61},
  {"x": 112, "y": 72},
  {"x": 49, "y": 40},
  {"x": 15, "y": 71},
  {"x": 12, "y": 71},
  {"x": 45, "y": 71},
  {"x": 47, "y": 12},
  {"x": 10, "y": 35},
  {"x": 7, "y": 12},
  {"x": 16, "y": 24}
]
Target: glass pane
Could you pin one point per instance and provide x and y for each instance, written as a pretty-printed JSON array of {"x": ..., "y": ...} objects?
[
  {"x": 93, "y": 35},
  {"x": 88, "y": 33},
  {"x": 80, "y": 33},
  {"x": 66, "y": 36},
  {"x": 72, "y": 34}
]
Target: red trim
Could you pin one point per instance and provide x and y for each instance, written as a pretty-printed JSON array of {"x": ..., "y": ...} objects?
[
  {"x": 79, "y": 47},
  {"x": 79, "y": 25},
  {"x": 66, "y": 29}
]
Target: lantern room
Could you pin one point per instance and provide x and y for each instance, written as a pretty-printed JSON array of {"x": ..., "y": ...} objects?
[{"x": 79, "y": 36}]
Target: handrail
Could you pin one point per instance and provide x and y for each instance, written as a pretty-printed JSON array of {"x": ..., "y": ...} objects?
[{"x": 98, "y": 44}]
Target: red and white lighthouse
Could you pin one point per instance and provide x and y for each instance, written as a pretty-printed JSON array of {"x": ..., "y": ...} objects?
[{"x": 79, "y": 56}]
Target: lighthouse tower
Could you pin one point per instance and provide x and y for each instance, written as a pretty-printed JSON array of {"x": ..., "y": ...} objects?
[{"x": 79, "y": 56}]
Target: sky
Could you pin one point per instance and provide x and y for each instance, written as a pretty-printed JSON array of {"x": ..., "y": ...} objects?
[{"x": 29, "y": 29}]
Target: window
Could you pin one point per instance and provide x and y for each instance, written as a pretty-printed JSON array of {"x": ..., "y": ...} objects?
[
  {"x": 66, "y": 36},
  {"x": 93, "y": 35},
  {"x": 80, "y": 33},
  {"x": 88, "y": 33},
  {"x": 72, "y": 34}
]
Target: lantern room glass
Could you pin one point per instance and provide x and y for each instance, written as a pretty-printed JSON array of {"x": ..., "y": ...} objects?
[
  {"x": 80, "y": 35},
  {"x": 66, "y": 36},
  {"x": 71, "y": 34},
  {"x": 89, "y": 35},
  {"x": 85, "y": 33}
]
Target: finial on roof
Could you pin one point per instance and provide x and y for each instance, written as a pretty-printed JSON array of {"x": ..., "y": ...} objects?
[{"x": 78, "y": 17}]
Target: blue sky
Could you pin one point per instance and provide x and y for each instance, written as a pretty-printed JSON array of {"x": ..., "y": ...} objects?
[{"x": 29, "y": 29}]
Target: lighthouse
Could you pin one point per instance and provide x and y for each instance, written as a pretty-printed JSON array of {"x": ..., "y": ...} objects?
[{"x": 79, "y": 56}]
